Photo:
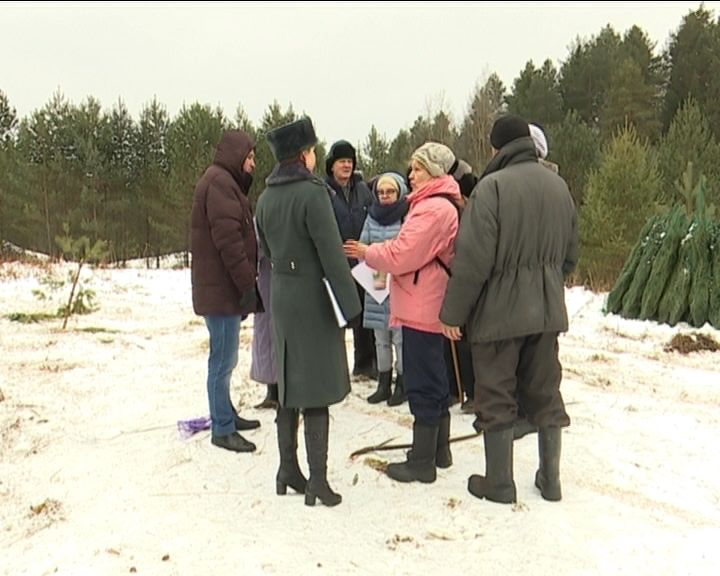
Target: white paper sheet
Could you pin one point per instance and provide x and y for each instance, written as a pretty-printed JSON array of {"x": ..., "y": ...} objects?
[{"x": 375, "y": 283}]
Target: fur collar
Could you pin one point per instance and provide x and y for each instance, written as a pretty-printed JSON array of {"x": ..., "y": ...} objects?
[{"x": 284, "y": 173}]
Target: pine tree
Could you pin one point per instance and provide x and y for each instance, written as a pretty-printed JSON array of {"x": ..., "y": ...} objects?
[
  {"x": 689, "y": 141},
  {"x": 619, "y": 199},
  {"x": 693, "y": 58},
  {"x": 375, "y": 154},
  {"x": 8, "y": 134},
  {"x": 575, "y": 147},
  {"x": 536, "y": 94},
  {"x": 163, "y": 209}
]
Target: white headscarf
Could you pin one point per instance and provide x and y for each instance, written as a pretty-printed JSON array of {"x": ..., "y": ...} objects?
[{"x": 538, "y": 136}]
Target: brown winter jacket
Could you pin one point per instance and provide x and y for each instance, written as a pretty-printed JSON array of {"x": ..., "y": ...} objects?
[{"x": 223, "y": 244}]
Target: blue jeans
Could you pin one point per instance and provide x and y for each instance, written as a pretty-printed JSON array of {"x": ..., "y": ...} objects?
[{"x": 224, "y": 341}]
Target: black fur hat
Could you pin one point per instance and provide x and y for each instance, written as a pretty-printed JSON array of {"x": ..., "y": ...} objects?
[
  {"x": 341, "y": 149},
  {"x": 288, "y": 140}
]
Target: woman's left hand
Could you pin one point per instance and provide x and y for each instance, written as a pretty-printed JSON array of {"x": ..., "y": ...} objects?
[{"x": 355, "y": 249}]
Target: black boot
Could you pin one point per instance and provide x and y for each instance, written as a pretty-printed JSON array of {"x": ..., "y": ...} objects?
[
  {"x": 234, "y": 442},
  {"x": 398, "y": 396},
  {"x": 271, "y": 398},
  {"x": 547, "y": 478},
  {"x": 497, "y": 485},
  {"x": 383, "y": 390},
  {"x": 420, "y": 463},
  {"x": 316, "y": 445},
  {"x": 289, "y": 473},
  {"x": 240, "y": 422},
  {"x": 443, "y": 456},
  {"x": 522, "y": 428}
]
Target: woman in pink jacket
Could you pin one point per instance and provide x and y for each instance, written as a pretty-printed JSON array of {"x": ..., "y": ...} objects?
[{"x": 418, "y": 260}]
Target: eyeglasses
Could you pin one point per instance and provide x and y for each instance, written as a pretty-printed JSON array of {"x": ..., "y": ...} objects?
[{"x": 389, "y": 192}]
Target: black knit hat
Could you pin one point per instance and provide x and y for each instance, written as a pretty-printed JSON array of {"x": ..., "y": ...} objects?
[
  {"x": 288, "y": 140},
  {"x": 341, "y": 149},
  {"x": 506, "y": 129}
]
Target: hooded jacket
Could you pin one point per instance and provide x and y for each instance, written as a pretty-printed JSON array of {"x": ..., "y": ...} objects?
[{"x": 222, "y": 241}]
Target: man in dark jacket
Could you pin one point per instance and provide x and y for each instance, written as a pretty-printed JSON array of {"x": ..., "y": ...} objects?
[
  {"x": 517, "y": 241},
  {"x": 224, "y": 264},
  {"x": 351, "y": 199}
]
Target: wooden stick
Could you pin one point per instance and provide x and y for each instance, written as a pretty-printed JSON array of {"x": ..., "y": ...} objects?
[
  {"x": 456, "y": 367},
  {"x": 383, "y": 446}
]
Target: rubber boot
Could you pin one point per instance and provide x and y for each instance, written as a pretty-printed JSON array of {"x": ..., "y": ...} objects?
[
  {"x": 289, "y": 473},
  {"x": 443, "y": 456},
  {"x": 420, "y": 463},
  {"x": 316, "y": 444},
  {"x": 497, "y": 485},
  {"x": 399, "y": 395},
  {"x": 547, "y": 478},
  {"x": 383, "y": 390}
]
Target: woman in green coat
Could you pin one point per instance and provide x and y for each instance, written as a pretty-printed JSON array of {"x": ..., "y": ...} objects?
[{"x": 297, "y": 230}]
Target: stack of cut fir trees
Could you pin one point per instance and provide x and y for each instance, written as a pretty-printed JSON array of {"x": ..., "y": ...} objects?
[{"x": 673, "y": 272}]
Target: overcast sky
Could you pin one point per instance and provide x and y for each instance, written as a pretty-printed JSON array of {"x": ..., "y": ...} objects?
[{"x": 348, "y": 65}]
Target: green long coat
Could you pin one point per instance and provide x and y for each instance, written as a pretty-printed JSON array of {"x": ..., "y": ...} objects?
[{"x": 298, "y": 232}]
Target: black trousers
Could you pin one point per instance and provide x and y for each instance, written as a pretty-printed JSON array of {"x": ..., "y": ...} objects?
[
  {"x": 425, "y": 374},
  {"x": 517, "y": 372}
]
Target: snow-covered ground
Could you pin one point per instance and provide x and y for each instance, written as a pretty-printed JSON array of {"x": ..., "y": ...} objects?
[{"x": 95, "y": 479}]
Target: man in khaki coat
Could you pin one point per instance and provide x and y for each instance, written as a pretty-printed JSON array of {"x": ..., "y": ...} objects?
[{"x": 517, "y": 241}]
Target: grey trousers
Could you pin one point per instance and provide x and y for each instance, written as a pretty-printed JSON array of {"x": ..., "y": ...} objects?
[
  {"x": 522, "y": 371},
  {"x": 385, "y": 341}
]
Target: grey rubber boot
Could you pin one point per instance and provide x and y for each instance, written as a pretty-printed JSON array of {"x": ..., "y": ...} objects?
[
  {"x": 497, "y": 485},
  {"x": 547, "y": 478}
]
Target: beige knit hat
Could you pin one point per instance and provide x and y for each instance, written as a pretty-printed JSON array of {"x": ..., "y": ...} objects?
[{"x": 435, "y": 157}]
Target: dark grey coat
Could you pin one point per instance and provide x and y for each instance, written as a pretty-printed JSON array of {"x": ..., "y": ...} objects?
[
  {"x": 298, "y": 232},
  {"x": 517, "y": 241}
]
